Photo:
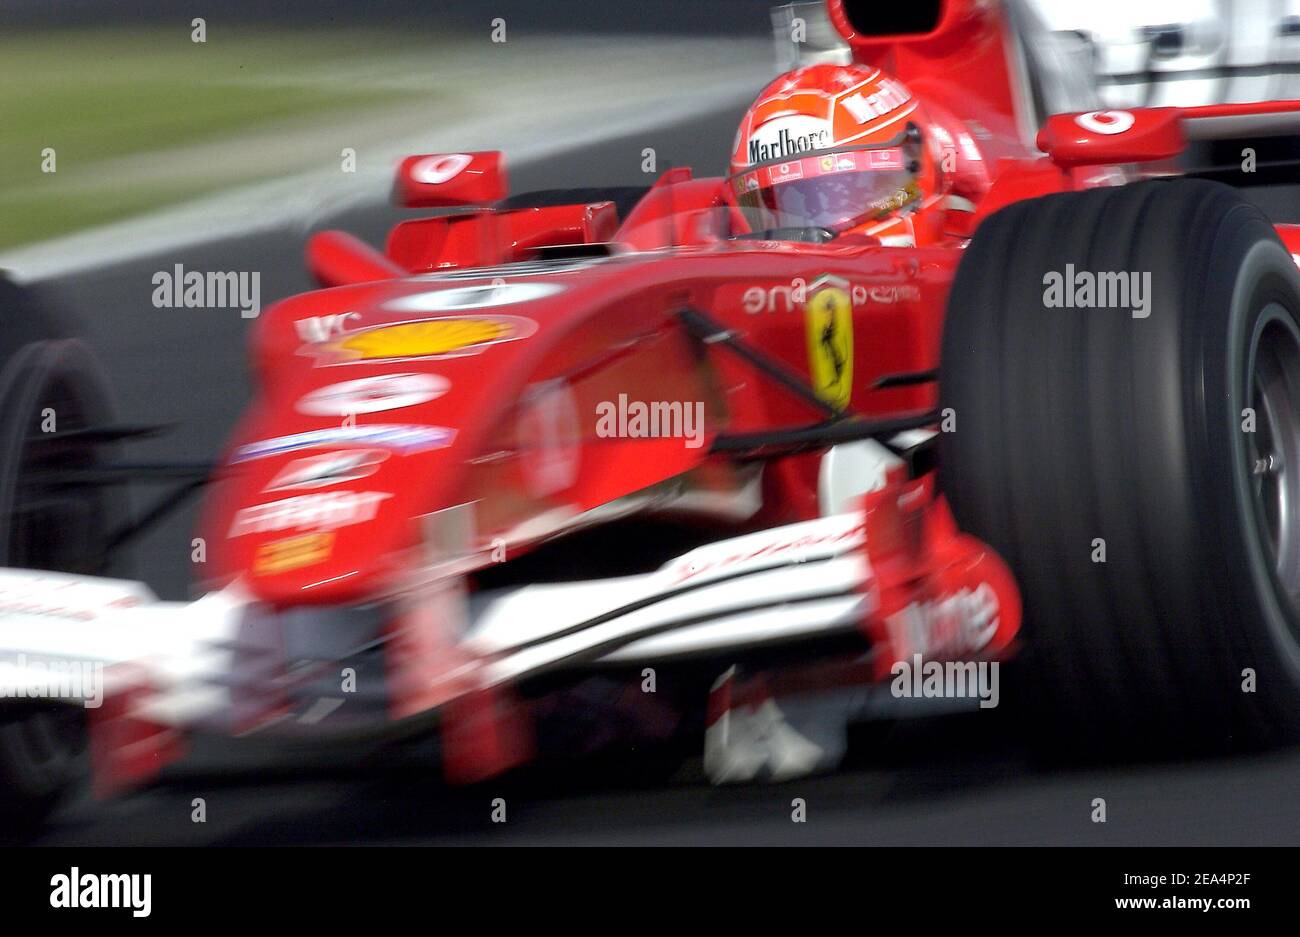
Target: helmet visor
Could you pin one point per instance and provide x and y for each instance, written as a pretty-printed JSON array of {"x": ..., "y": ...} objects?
[{"x": 834, "y": 190}]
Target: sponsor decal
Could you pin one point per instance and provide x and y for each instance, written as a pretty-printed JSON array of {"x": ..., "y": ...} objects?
[
  {"x": 373, "y": 394},
  {"x": 953, "y": 625},
  {"x": 473, "y": 297},
  {"x": 550, "y": 438},
  {"x": 58, "y": 597},
  {"x": 1107, "y": 123},
  {"x": 829, "y": 320},
  {"x": 400, "y": 437},
  {"x": 865, "y": 107},
  {"x": 788, "y": 136},
  {"x": 282, "y": 556},
  {"x": 449, "y": 337},
  {"x": 888, "y": 158},
  {"x": 523, "y": 268},
  {"x": 435, "y": 170},
  {"x": 785, "y": 172},
  {"x": 758, "y": 299},
  {"x": 328, "y": 510},
  {"x": 774, "y": 549},
  {"x": 892, "y": 202},
  {"x": 790, "y": 296},
  {"x": 840, "y": 163},
  {"x": 888, "y": 295},
  {"x": 329, "y": 468},
  {"x": 323, "y": 328}
]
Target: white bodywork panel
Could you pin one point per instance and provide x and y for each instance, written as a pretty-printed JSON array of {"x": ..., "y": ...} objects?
[
  {"x": 50, "y": 621},
  {"x": 780, "y": 584}
]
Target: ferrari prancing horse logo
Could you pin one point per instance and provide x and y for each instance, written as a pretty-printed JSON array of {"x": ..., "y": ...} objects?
[{"x": 830, "y": 345}]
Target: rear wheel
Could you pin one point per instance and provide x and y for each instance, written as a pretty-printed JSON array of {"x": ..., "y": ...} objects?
[{"x": 1139, "y": 474}]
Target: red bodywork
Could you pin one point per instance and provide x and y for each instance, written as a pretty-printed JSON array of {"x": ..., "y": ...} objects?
[{"x": 522, "y": 351}]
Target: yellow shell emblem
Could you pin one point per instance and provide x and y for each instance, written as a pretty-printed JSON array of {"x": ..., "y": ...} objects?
[{"x": 427, "y": 339}]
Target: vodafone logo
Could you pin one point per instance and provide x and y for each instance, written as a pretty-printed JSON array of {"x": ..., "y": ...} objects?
[
  {"x": 435, "y": 170},
  {"x": 1107, "y": 123}
]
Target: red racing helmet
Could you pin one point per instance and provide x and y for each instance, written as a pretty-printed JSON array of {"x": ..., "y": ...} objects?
[{"x": 835, "y": 147}]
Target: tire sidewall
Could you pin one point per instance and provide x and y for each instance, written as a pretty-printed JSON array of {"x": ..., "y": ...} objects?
[{"x": 1267, "y": 277}]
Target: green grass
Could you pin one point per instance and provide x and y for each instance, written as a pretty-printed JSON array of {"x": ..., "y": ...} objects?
[{"x": 125, "y": 95}]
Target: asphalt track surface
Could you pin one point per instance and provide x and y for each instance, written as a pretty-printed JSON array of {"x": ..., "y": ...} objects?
[{"x": 970, "y": 779}]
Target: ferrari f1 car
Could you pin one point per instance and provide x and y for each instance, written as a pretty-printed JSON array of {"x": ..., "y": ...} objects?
[{"x": 766, "y": 448}]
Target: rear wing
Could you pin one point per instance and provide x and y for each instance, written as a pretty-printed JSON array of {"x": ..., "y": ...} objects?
[{"x": 1159, "y": 134}]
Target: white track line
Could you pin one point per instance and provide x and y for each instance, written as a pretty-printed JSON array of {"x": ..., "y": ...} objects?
[{"x": 530, "y": 124}]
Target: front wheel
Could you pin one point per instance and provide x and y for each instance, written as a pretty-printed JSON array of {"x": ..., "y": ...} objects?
[
  {"x": 52, "y": 398},
  {"x": 1137, "y": 462}
]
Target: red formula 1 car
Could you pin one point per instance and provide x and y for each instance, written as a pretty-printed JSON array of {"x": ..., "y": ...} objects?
[{"x": 747, "y": 455}]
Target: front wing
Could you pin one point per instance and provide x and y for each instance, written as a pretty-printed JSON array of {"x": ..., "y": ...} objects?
[{"x": 893, "y": 576}]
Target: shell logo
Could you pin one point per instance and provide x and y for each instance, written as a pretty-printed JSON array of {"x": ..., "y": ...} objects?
[{"x": 446, "y": 337}]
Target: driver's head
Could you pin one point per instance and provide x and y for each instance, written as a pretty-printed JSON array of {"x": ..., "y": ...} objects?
[{"x": 837, "y": 147}]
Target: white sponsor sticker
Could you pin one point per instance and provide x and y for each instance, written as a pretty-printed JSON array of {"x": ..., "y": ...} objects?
[
  {"x": 550, "y": 438},
  {"x": 317, "y": 512},
  {"x": 328, "y": 468},
  {"x": 788, "y": 136},
  {"x": 473, "y": 297},
  {"x": 373, "y": 394},
  {"x": 890, "y": 96},
  {"x": 324, "y": 328},
  {"x": 400, "y": 437}
]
